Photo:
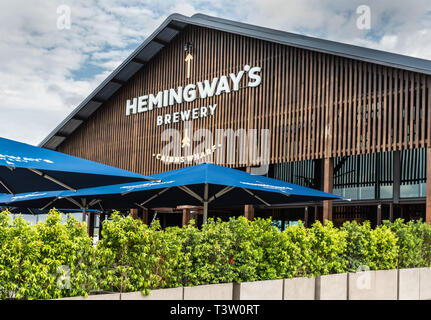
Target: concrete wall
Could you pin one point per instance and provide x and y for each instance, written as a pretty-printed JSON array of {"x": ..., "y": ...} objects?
[
  {"x": 331, "y": 287},
  {"x": 158, "y": 294},
  {"x": 221, "y": 291},
  {"x": 425, "y": 283},
  {"x": 299, "y": 289},
  {"x": 409, "y": 284},
  {"x": 109, "y": 296},
  {"x": 259, "y": 290},
  {"x": 403, "y": 284},
  {"x": 373, "y": 285}
]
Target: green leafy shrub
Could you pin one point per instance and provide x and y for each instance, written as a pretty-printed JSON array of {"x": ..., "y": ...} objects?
[
  {"x": 123, "y": 260},
  {"x": 326, "y": 249},
  {"x": 207, "y": 253},
  {"x": 426, "y": 245},
  {"x": 375, "y": 249},
  {"x": 20, "y": 275},
  {"x": 135, "y": 257},
  {"x": 49, "y": 260},
  {"x": 236, "y": 250},
  {"x": 414, "y": 242},
  {"x": 296, "y": 241},
  {"x": 54, "y": 259}
]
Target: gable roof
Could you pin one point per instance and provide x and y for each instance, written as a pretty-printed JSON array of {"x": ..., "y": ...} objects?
[{"x": 175, "y": 23}]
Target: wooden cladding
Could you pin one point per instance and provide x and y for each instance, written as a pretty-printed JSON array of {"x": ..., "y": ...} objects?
[{"x": 315, "y": 105}]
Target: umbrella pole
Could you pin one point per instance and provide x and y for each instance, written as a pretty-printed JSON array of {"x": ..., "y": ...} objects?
[
  {"x": 84, "y": 209},
  {"x": 205, "y": 218},
  {"x": 84, "y": 214},
  {"x": 205, "y": 212}
]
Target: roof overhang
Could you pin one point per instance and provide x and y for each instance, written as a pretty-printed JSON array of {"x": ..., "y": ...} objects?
[{"x": 175, "y": 23}]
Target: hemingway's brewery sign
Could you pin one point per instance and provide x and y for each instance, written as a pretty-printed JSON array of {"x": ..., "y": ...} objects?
[{"x": 191, "y": 92}]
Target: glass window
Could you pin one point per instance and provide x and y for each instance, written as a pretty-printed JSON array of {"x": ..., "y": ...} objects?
[{"x": 386, "y": 192}]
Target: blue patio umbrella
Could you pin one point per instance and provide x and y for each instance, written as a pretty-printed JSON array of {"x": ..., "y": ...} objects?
[
  {"x": 204, "y": 184},
  {"x": 26, "y": 168}
]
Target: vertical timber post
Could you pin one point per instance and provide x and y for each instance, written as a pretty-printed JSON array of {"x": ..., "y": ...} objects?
[
  {"x": 205, "y": 215},
  {"x": 90, "y": 224},
  {"x": 328, "y": 178},
  {"x": 379, "y": 214},
  {"x": 249, "y": 212},
  {"x": 397, "y": 177},
  {"x": 145, "y": 216},
  {"x": 186, "y": 217},
  {"x": 306, "y": 217},
  {"x": 248, "y": 208},
  {"x": 391, "y": 212},
  {"x": 134, "y": 213},
  {"x": 102, "y": 218}
]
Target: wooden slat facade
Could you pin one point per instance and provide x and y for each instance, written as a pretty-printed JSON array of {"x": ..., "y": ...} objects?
[{"x": 315, "y": 105}]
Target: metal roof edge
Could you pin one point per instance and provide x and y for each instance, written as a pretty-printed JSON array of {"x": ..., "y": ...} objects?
[
  {"x": 169, "y": 19},
  {"x": 317, "y": 44}
]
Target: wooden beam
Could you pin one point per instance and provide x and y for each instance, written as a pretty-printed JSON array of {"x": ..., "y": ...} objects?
[
  {"x": 173, "y": 27},
  {"x": 328, "y": 177},
  {"x": 118, "y": 81},
  {"x": 98, "y": 100},
  {"x": 139, "y": 60},
  {"x": 159, "y": 41}
]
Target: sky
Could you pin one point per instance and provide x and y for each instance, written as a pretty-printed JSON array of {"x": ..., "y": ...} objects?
[{"x": 53, "y": 54}]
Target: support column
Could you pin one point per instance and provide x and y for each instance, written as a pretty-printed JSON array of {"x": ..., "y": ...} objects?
[
  {"x": 397, "y": 177},
  {"x": 102, "y": 218},
  {"x": 249, "y": 209},
  {"x": 190, "y": 212},
  {"x": 379, "y": 214},
  {"x": 306, "y": 217},
  {"x": 90, "y": 224},
  {"x": 328, "y": 179},
  {"x": 249, "y": 212},
  {"x": 134, "y": 213},
  {"x": 186, "y": 217},
  {"x": 145, "y": 216},
  {"x": 428, "y": 199},
  {"x": 391, "y": 212}
]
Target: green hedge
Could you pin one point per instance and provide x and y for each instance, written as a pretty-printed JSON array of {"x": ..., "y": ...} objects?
[
  {"x": 53, "y": 259},
  {"x": 48, "y": 260}
]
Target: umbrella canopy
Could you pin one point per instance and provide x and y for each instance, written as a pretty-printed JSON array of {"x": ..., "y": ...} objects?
[
  {"x": 26, "y": 168},
  {"x": 204, "y": 184}
]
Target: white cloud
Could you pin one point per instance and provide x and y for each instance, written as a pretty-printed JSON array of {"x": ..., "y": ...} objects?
[{"x": 41, "y": 71}]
